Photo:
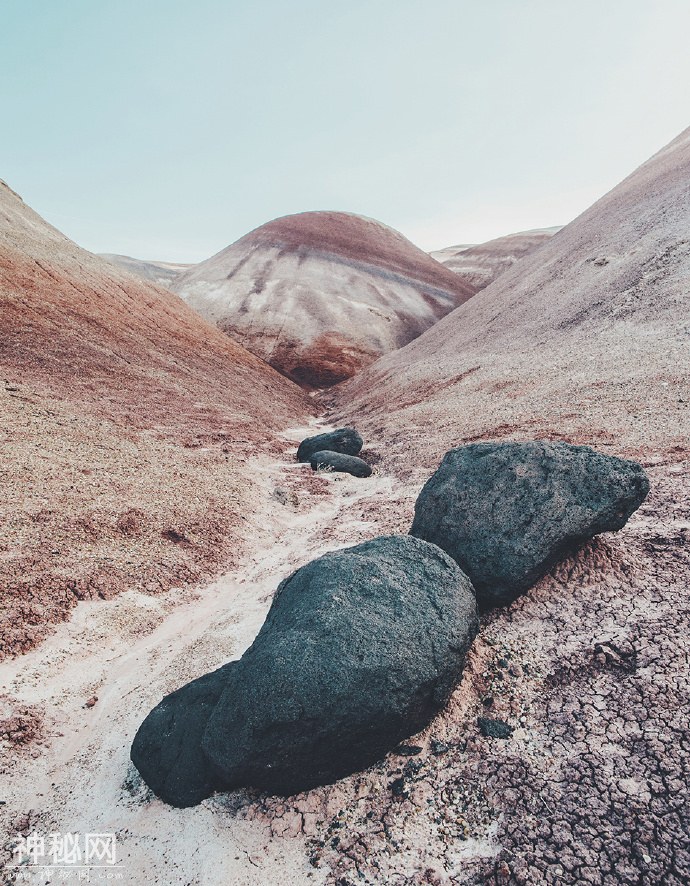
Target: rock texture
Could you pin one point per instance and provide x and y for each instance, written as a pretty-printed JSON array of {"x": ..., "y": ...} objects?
[
  {"x": 321, "y": 294},
  {"x": 345, "y": 440},
  {"x": 167, "y": 747},
  {"x": 161, "y": 273},
  {"x": 109, "y": 387},
  {"x": 328, "y": 685},
  {"x": 480, "y": 264},
  {"x": 336, "y": 461},
  {"x": 506, "y": 512}
]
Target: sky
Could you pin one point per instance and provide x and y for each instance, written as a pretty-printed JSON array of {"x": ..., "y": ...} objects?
[{"x": 167, "y": 129}]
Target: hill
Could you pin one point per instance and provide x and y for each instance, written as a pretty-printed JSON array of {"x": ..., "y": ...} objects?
[
  {"x": 320, "y": 295},
  {"x": 160, "y": 272},
  {"x": 584, "y": 339},
  {"x": 479, "y": 265},
  {"x": 127, "y": 422}
]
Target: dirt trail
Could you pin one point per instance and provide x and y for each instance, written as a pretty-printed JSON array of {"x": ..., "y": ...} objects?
[{"x": 132, "y": 650}]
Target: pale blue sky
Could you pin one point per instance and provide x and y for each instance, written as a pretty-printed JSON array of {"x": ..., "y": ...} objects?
[{"x": 167, "y": 129}]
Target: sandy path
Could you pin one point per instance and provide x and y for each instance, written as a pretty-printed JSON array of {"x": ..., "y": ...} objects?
[{"x": 132, "y": 650}]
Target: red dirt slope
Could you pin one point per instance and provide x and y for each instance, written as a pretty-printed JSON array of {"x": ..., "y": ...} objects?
[{"x": 110, "y": 387}]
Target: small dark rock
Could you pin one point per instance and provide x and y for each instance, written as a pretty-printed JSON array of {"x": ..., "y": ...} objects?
[
  {"x": 412, "y": 768},
  {"x": 176, "y": 537},
  {"x": 285, "y": 497},
  {"x": 439, "y": 747},
  {"x": 408, "y": 750},
  {"x": 344, "y": 440},
  {"x": 344, "y": 464},
  {"x": 494, "y": 728},
  {"x": 506, "y": 512},
  {"x": 398, "y": 787}
]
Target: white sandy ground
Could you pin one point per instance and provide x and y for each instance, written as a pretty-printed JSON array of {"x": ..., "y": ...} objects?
[{"x": 132, "y": 650}]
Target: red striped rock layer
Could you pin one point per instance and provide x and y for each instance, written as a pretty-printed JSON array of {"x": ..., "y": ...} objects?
[
  {"x": 481, "y": 264},
  {"x": 322, "y": 294}
]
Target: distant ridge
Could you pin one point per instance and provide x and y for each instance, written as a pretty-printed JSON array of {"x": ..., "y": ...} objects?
[
  {"x": 160, "y": 272},
  {"x": 480, "y": 264}
]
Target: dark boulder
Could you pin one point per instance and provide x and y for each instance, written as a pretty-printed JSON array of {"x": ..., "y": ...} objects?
[
  {"x": 336, "y": 461},
  {"x": 345, "y": 440},
  {"x": 167, "y": 747},
  {"x": 360, "y": 649},
  {"x": 506, "y": 512}
]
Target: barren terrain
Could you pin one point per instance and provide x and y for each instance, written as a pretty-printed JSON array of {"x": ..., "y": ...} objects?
[
  {"x": 319, "y": 295},
  {"x": 125, "y": 422},
  {"x": 480, "y": 264},
  {"x": 585, "y": 340},
  {"x": 590, "y": 669}
]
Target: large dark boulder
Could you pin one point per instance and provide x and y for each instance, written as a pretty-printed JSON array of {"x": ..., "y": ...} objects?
[
  {"x": 506, "y": 512},
  {"x": 336, "y": 461},
  {"x": 345, "y": 440},
  {"x": 167, "y": 747},
  {"x": 359, "y": 650}
]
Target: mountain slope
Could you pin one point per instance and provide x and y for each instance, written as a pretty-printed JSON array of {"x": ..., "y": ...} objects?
[
  {"x": 110, "y": 388},
  {"x": 586, "y": 338},
  {"x": 319, "y": 295},
  {"x": 479, "y": 265}
]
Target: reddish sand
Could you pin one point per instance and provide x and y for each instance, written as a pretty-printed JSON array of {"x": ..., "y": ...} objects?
[{"x": 126, "y": 421}]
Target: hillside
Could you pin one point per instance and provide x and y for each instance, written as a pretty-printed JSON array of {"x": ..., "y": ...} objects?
[
  {"x": 480, "y": 264},
  {"x": 127, "y": 423},
  {"x": 321, "y": 294},
  {"x": 586, "y": 338}
]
